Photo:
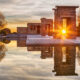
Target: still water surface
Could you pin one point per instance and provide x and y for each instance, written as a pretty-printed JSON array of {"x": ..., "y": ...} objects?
[{"x": 17, "y": 63}]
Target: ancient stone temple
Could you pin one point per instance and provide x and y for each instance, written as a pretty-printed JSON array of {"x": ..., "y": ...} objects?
[
  {"x": 22, "y": 30},
  {"x": 46, "y": 26},
  {"x": 65, "y": 21},
  {"x": 34, "y": 28},
  {"x": 65, "y": 26}
]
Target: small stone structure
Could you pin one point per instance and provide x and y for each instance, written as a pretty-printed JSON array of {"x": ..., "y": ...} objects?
[
  {"x": 34, "y": 28},
  {"x": 22, "y": 30},
  {"x": 43, "y": 28},
  {"x": 46, "y": 26}
]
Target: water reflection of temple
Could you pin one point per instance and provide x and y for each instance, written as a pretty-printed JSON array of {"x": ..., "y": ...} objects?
[
  {"x": 78, "y": 54},
  {"x": 5, "y": 40},
  {"x": 64, "y": 60},
  {"x": 21, "y": 42},
  {"x": 64, "y": 57},
  {"x": 46, "y": 51}
]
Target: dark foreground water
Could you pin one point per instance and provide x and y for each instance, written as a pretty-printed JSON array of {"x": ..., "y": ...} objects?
[{"x": 17, "y": 63}]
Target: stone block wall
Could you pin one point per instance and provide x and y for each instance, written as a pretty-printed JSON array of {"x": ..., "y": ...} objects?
[
  {"x": 34, "y": 28},
  {"x": 46, "y": 26},
  {"x": 68, "y": 13},
  {"x": 22, "y": 30}
]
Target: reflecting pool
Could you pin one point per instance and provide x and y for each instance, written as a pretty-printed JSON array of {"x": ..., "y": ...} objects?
[{"x": 21, "y": 62}]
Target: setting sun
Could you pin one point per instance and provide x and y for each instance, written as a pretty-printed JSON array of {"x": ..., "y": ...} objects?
[{"x": 63, "y": 31}]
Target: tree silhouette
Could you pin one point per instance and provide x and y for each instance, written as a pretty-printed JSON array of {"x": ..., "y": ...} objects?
[{"x": 3, "y": 22}]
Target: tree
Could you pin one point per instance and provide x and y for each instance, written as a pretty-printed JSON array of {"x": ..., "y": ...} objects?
[
  {"x": 5, "y": 31},
  {"x": 3, "y": 22}
]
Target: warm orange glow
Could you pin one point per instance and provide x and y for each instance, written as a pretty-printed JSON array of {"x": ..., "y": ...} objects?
[
  {"x": 63, "y": 31},
  {"x": 64, "y": 26},
  {"x": 64, "y": 23}
]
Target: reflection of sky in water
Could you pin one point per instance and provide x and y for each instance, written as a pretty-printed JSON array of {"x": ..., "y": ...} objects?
[{"x": 19, "y": 64}]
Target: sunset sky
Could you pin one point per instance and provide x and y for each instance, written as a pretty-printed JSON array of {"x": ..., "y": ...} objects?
[{"x": 24, "y": 11}]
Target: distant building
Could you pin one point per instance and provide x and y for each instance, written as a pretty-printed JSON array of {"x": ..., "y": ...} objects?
[
  {"x": 34, "y": 28},
  {"x": 43, "y": 28},
  {"x": 46, "y": 26},
  {"x": 22, "y": 30}
]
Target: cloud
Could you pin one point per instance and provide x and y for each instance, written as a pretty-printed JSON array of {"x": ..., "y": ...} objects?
[
  {"x": 24, "y": 10},
  {"x": 6, "y": 1},
  {"x": 67, "y": 2}
]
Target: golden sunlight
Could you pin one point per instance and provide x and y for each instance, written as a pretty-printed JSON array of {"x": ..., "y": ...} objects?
[{"x": 63, "y": 31}]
